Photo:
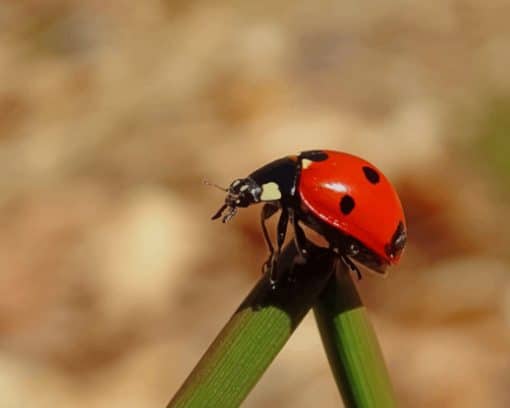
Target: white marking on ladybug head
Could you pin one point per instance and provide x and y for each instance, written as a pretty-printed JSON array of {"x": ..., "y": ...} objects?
[
  {"x": 270, "y": 192},
  {"x": 245, "y": 187},
  {"x": 305, "y": 163}
]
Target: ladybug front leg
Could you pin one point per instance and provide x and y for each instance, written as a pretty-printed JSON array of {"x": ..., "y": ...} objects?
[
  {"x": 271, "y": 265},
  {"x": 268, "y": 210}
]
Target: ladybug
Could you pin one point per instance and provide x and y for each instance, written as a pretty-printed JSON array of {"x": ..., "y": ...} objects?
[{"x": 342, "y": 197}]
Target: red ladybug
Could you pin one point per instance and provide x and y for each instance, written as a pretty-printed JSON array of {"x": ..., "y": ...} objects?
[{"x": 343, "y": 197}]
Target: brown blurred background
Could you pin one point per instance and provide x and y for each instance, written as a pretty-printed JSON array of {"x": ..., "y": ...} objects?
[{"x": 113, "y": 279}]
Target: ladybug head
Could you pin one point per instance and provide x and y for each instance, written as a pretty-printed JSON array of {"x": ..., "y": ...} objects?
[{"x": 241, "y": 193}]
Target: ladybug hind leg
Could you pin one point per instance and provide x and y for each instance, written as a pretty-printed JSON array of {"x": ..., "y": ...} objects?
[{"x": 349, "y": 264}]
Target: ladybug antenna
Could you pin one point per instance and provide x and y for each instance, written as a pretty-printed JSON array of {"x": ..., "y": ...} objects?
[{"x": 208, "y": 183}]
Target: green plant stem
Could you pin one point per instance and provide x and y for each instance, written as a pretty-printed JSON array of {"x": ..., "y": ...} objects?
[
  {"x": 351, "y": 345},
  {"x": 255, "y": 334}
]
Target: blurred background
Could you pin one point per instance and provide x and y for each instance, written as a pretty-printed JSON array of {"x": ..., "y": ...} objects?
[{"x": 113, "y": 280}]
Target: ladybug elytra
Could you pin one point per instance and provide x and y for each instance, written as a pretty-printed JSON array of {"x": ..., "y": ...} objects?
[{"x": 343, "y": 197}]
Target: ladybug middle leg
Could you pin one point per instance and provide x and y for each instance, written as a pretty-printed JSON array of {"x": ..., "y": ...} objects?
[{"x": 300, "y": 240}]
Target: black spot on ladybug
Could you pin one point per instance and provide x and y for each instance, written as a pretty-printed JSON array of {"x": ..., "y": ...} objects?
[
  {"x": 398, "y": 241},
  {"x": 314, "y": 155},
  {"x": 347, "y": 204},
  {"x": 371, "y": 175}
]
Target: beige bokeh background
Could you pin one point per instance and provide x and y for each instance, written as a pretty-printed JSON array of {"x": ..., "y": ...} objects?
[{"x": 113, "y": 281}]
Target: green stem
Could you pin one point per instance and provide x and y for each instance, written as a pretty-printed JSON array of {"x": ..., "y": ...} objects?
[
  {"x": 255, "y": 334},
  {"x": 351, "y": 345}
]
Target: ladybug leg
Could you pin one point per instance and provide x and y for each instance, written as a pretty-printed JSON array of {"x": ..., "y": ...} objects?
[
  {"x": 269, "y": 267},
  {"x": 347, "y": 262},
  {"x": 281, "y": 231},
  {"x": 267, "y": 212},
  {"x": 299, "y": 236}
]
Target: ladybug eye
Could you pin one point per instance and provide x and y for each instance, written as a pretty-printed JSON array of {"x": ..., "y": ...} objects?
[{"x": 371, "y": 175}]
